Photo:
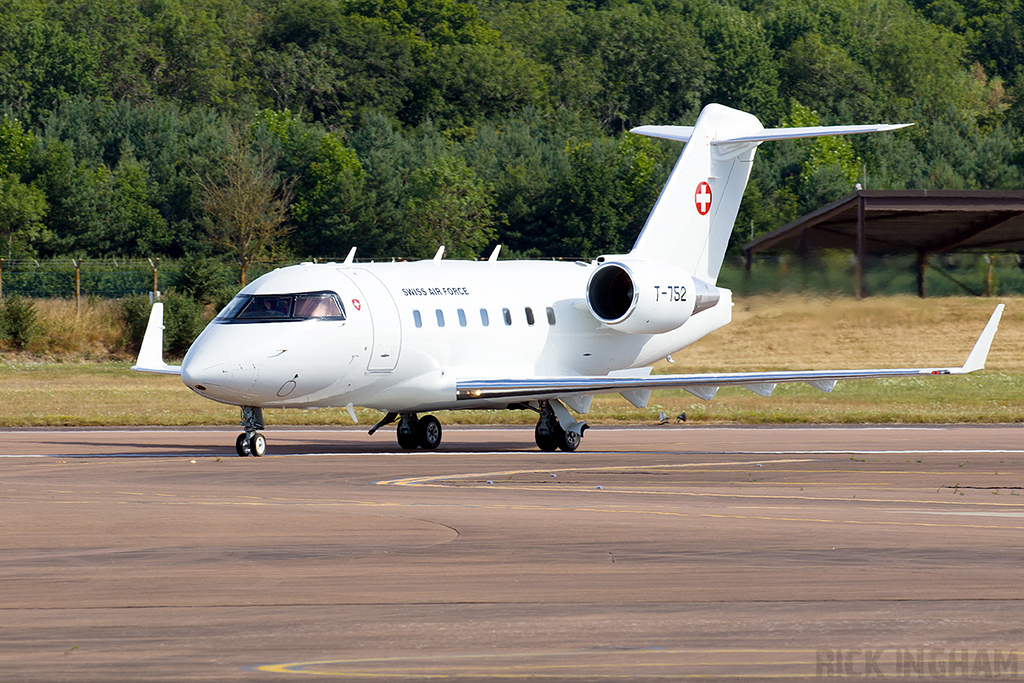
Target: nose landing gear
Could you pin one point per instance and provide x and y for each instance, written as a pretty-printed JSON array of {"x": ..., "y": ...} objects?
[{"x": 251, "y": 442}]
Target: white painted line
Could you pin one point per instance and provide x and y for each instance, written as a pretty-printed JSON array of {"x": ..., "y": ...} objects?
[{"x": 957, "y": 512}]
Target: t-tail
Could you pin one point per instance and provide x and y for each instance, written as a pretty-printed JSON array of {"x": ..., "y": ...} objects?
[{"x": 693, "y": 218}]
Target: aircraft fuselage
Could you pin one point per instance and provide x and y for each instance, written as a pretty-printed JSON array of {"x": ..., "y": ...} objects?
[{"x": 410, "y": 330}]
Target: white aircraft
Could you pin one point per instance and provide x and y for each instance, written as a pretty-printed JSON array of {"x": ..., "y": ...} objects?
[{"x": 410, "y": 338}]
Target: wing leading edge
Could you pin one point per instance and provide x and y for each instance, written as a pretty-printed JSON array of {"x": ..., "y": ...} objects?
[{"x": 705, "y": 385}]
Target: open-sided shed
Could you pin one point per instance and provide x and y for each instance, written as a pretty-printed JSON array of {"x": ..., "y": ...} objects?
[{"x": 905, "y": 221}]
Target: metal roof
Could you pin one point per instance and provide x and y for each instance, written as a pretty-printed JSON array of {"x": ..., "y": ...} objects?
[{"x": 916, "y": 221}]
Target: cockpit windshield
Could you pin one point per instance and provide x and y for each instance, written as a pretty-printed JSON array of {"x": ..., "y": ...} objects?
[{"x": 260, "y": 308}]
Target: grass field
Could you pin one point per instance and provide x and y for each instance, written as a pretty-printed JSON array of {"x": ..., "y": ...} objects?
[{"x": 777, "y": 332}]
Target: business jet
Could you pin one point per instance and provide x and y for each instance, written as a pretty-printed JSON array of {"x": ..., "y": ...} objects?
[{"x": 411, "y": 338}]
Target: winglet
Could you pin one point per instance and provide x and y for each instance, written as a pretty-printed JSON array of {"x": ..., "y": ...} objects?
[
  {"x": 151, "y": 356},
  {"x": 976, "y": 359}
]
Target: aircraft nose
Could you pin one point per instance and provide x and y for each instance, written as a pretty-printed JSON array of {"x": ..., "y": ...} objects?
[{"x": 204, "y": 367}]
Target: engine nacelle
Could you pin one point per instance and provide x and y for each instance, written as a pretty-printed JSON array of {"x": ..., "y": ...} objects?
[{"x": 640, "y": 297}]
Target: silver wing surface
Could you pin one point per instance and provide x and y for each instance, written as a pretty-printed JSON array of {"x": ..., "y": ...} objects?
[{"x": 706, "y": 385}]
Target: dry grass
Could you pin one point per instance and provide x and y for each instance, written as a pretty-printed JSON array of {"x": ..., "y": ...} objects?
[
  {"x": 91, "y": 331},
  {"x": 792, "y": 332},
  {"x": 767, "y": 332}
]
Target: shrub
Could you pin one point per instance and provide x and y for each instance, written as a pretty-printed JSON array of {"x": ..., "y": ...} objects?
[
  {"x": 135, "y": 317},
  {"x": 19, "y": 321},
  {"x": 183, "y": 321},
  {"x": 202, "y": 279}
]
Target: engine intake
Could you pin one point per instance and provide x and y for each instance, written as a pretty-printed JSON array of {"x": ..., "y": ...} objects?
[{"x": 646, "y": 298}]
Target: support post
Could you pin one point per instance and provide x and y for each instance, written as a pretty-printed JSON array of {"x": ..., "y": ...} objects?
[
  {"x": 922, "y": 267},
  {"x": 990, "y": 260},
  {"x": 1, "y": 278},
  {"x": 156, "y": 278},
  {"x": 862, "y": 248},
  {"x": 78, "y": 283},
  {"x": 748, "y": 259}
]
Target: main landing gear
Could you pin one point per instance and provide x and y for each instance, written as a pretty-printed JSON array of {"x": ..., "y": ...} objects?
[
  {"x": 413, "y": 431},
  {"x": 556, "y": 428},
  {"x": 251, "y": 442}
]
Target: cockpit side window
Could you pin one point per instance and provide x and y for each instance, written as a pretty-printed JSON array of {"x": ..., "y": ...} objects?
[
  {"x": 283, "y": 308},
  {"x": 319, "y": 305}
]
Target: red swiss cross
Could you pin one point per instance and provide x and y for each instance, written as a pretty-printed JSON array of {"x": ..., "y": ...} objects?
[
  {"x": 358, "y": 306},
  {"x": 702, "y": 197}
]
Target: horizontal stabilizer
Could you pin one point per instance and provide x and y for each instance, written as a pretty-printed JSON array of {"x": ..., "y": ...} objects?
[
  {"x": 684, "y": 133},
  {"x": 705, "y": 385}
]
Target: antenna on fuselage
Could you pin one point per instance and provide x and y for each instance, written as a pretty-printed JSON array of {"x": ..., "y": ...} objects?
[
  {"x": 351, "y": 257},
  {"x": 494, "y": 254},
  {"x": 439, "y": 254}
]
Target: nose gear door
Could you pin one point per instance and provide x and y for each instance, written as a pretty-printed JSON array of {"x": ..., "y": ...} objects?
[{"x": 387, "y": 326}]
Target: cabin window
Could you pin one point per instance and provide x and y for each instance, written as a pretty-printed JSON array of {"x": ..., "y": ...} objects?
[
  {"x": 551, "y": 315},
  {"x": 485, "y": 319},
  {"x": 417, "y": 319},
  {"x": 462, "y": 317},
  {"x": 262, "y": 308},
  {"x": 508, "y": 316},
  {"x": 529, "y": 316},
  {"x": 440, "y": 318}
]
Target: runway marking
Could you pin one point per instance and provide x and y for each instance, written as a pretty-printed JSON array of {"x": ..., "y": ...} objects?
[
  {"x": 428, "y": 481},
  {"x": 780, "y": 663},
  {"x": 964, "y": 513}
]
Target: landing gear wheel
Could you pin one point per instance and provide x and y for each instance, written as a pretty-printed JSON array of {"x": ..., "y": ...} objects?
[
  {"x": 407, "y": 436},
  {"x": 430, "y": 432},
  {"x": 242, "y": 446},
  {"x": 546, "y": 440},
  {"x": 569, "y": 441},
  {"x": 257, "y": 445}
]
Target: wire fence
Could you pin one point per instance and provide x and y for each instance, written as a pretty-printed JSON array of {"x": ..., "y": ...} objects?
[
  {"x": 829, "y": 273},
  {"x": 104, "y": 278}
]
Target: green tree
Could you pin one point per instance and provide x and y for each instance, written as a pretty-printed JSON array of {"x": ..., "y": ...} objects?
[
  {"x": 450, "y": 206},
  {"x": 329, "y": 200},
  {"x": 247, "y": 204},
  {"x": 22, "y": 208}
]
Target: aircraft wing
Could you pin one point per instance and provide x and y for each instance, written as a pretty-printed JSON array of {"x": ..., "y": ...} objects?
[
  {"x": 705, "y": 385},
  {"x": 151, "y": 356}
]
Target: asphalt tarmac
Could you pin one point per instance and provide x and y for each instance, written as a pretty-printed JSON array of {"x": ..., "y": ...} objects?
[{"x": 650, "y": 554}]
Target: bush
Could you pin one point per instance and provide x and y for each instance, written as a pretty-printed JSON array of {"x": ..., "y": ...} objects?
[
  {"x": 202, "y": 279},
  {"x": 19, "y": 321},
  {"x": 183, "y": 321},
  {"x": 135, "y": 317}
]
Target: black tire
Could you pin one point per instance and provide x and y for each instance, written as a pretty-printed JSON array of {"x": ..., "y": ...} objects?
[
  {"x": 430, "y": 432},
  {"x": 407, "y": 436},
  {"x": 546, "y": 441},
  {"x": 242, "y": 446},
  {"x": 569, "y": 441},
  {"x": 258, "y": 445}
]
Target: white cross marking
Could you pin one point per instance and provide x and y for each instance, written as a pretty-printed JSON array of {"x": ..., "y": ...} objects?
[{"x": 703, "y": 198}]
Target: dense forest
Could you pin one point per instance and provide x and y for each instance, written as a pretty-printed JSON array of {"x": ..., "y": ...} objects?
[{"x": 248, "y": 129}]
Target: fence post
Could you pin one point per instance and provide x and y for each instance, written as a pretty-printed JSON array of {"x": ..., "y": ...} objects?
[
  {"x": 78, "y": 283},
  {"x": 156, "y": 278}
]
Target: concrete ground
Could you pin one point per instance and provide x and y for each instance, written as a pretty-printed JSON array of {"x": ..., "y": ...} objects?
[{"x": 651, "y": 553}]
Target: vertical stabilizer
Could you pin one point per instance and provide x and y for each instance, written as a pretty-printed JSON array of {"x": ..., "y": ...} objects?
[
  {"x": 693, "y": 218},
  {"x": 691, "y": 223}
]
